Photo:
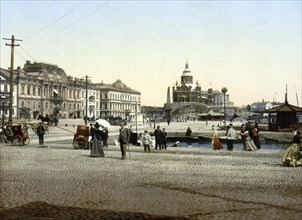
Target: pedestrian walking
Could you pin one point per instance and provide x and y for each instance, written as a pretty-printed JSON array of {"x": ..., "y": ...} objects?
[
  {"x": 40, "y": 133},
  {"x": 124, "y": 138}
]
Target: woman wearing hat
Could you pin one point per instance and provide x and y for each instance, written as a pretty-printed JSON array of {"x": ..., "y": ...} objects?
[{"x": 97, "y": 142}]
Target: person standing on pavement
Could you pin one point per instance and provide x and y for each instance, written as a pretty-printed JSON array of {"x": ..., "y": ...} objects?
[
  {"x": 106, "y": 135},
  {"x": 97, "y": 142},
  {"x": 146, "y": 141},
  {"x": 40, "y": 133},
  {"x": 157, "y": 134},
  {"x": 254, "y": 133},
  {"x": 164, "y": 139},
  {"x": 244, "y": 135},
  {"x": 124, "y": 138},
  {"x": 231, "y": 135}
]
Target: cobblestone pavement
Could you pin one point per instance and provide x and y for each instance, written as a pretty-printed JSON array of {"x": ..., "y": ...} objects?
[{"x": 59, "y": 182}]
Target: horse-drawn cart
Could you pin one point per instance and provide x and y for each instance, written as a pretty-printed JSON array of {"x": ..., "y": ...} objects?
[
  {"x": 17, "y": 135},
  {"x": 81, "y": 138}
]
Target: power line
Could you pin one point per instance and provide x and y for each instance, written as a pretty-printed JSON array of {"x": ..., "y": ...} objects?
[
  {"x": 74, "y": 23},
  {"x": 55, "y": 21},
  {"x": 27, "y": 53},
  {"x": 20, "y": 55}
]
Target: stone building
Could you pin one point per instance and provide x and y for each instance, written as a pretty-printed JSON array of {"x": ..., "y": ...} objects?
[
  {"x": 5, "y": 93},
  {"x": 47, "y": 90},
  {"x": 118, "y": 100},
  {"x": 188, "y": 92}
]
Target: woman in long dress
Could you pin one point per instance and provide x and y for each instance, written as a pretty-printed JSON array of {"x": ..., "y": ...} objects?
[
  {"x": 97, "y": 142},
  {"x": 292, "y": 155},
  {"x": 215, "y": 142},
  {"x": 250, "y": 145}
]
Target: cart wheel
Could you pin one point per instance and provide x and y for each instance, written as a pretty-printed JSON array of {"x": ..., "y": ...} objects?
[
  {"x": 26, "y": 141},
  {"x": 80, "y": 143},
  {"x": 18, "y": 140}
]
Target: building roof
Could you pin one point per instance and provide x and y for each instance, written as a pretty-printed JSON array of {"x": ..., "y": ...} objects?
[
  {"x": 186, "y": 72},
  {"x": 285, "y": 108},
  {"x": 118, "y": 85}
]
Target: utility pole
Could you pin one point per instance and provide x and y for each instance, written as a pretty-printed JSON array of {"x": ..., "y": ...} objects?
[
  {"x": 86, "y": 99},
  {"x": 11, "y": 80}
]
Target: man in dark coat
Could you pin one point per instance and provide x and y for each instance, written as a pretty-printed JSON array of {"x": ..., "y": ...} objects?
[
  {"x": 40, "y": 133},
  {"x": 124, "y": 138},
  {"x": 157, "y": 134},
  {"x": 164, "y": 139}
]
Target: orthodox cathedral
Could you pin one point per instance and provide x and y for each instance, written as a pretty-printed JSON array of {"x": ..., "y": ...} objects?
[{"x": 189, "y": 93}]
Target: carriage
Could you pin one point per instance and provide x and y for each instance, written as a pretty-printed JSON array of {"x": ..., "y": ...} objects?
[
  {"x": 81, "y": 138},
  {"x": 17, "y": 135}
]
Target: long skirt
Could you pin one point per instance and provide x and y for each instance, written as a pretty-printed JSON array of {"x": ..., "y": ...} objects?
[
  {"x": 250, "y": 145},
  {"x": 216, "y": 144},
  {"x": 97, "y": 148},
  {"x": 292, "y": 156}
]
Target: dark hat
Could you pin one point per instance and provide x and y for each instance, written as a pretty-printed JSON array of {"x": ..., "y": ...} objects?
[{"x": 97, "y": 125}]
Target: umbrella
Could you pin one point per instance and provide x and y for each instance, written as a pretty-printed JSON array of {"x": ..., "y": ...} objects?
[{"x": 103, "y": 122}]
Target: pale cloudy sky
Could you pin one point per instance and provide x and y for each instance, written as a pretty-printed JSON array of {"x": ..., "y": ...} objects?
[{"x": 251, "y": 47}]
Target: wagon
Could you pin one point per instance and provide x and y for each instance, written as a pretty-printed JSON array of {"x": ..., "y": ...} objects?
[
  {"x": 81, "y": 138},
  {"x": 17, "y": 135}
]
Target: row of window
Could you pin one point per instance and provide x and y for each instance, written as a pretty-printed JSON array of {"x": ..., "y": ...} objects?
[{"x": 33, "y": 105}]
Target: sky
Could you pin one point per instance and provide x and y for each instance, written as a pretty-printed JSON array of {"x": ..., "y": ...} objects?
[{"x": 254, "y": 48}]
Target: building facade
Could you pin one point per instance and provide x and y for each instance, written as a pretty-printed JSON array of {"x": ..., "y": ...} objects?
[
  {"x": 188, "y": 92},
  {"x": 45, "y": 89},
  {"x": 118, "y": 100}
]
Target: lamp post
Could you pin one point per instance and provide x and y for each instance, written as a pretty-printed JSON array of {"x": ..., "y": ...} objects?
[
  {"x": 224, "y": 90},
  {"x": 3, "y": 115}
]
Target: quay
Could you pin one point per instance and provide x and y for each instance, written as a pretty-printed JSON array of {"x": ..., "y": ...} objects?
[{"x": 59, "y": 182}]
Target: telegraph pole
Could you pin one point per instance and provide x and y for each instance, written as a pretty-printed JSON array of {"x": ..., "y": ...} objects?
[
  {"x": 11, "y": 80},
  {"x": 86, "y": 105},
  {"x": 86, "y": 99}
]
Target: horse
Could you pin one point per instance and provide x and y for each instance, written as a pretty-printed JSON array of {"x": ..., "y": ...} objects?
[{"x": 44, "y": 119}]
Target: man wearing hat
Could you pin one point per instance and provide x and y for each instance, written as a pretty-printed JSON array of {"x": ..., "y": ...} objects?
[{"x": 124, "y": 138}]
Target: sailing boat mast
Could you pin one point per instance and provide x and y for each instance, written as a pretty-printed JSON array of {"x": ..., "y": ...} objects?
[{"x": 286, "y": 102}]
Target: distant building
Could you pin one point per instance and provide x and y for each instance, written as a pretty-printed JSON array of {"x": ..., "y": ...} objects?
[
  {"x": 5, "y": 94},
  {"x": 118, "y": 100},
  {"x": 189, "y": 100},
  {"x": 261, "y": 106},
  {"x": 41, "y": 88}
]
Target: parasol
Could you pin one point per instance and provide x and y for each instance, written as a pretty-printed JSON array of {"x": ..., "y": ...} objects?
[{"x": 103, "y": 122}]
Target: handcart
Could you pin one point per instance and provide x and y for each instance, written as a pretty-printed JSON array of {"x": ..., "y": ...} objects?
[{"x": 81, "y": 138}]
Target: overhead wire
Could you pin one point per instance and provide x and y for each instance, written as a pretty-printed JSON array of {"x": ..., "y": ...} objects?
[
  {"x": 72, "y": 24},
  {"x": 27, "y": 53},
  {"x": 20, "y": 55},
  {"x": 55, "y": 21}
]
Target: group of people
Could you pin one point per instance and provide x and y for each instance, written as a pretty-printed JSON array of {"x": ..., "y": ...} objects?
[
  {"x": 160, "y": 138},
  {"x": 249, "y": 136}
]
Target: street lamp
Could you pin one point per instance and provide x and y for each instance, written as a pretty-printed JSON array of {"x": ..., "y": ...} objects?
[
  {"x": 3, "y": 115},
  {"x": 224, "y": 91}
]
